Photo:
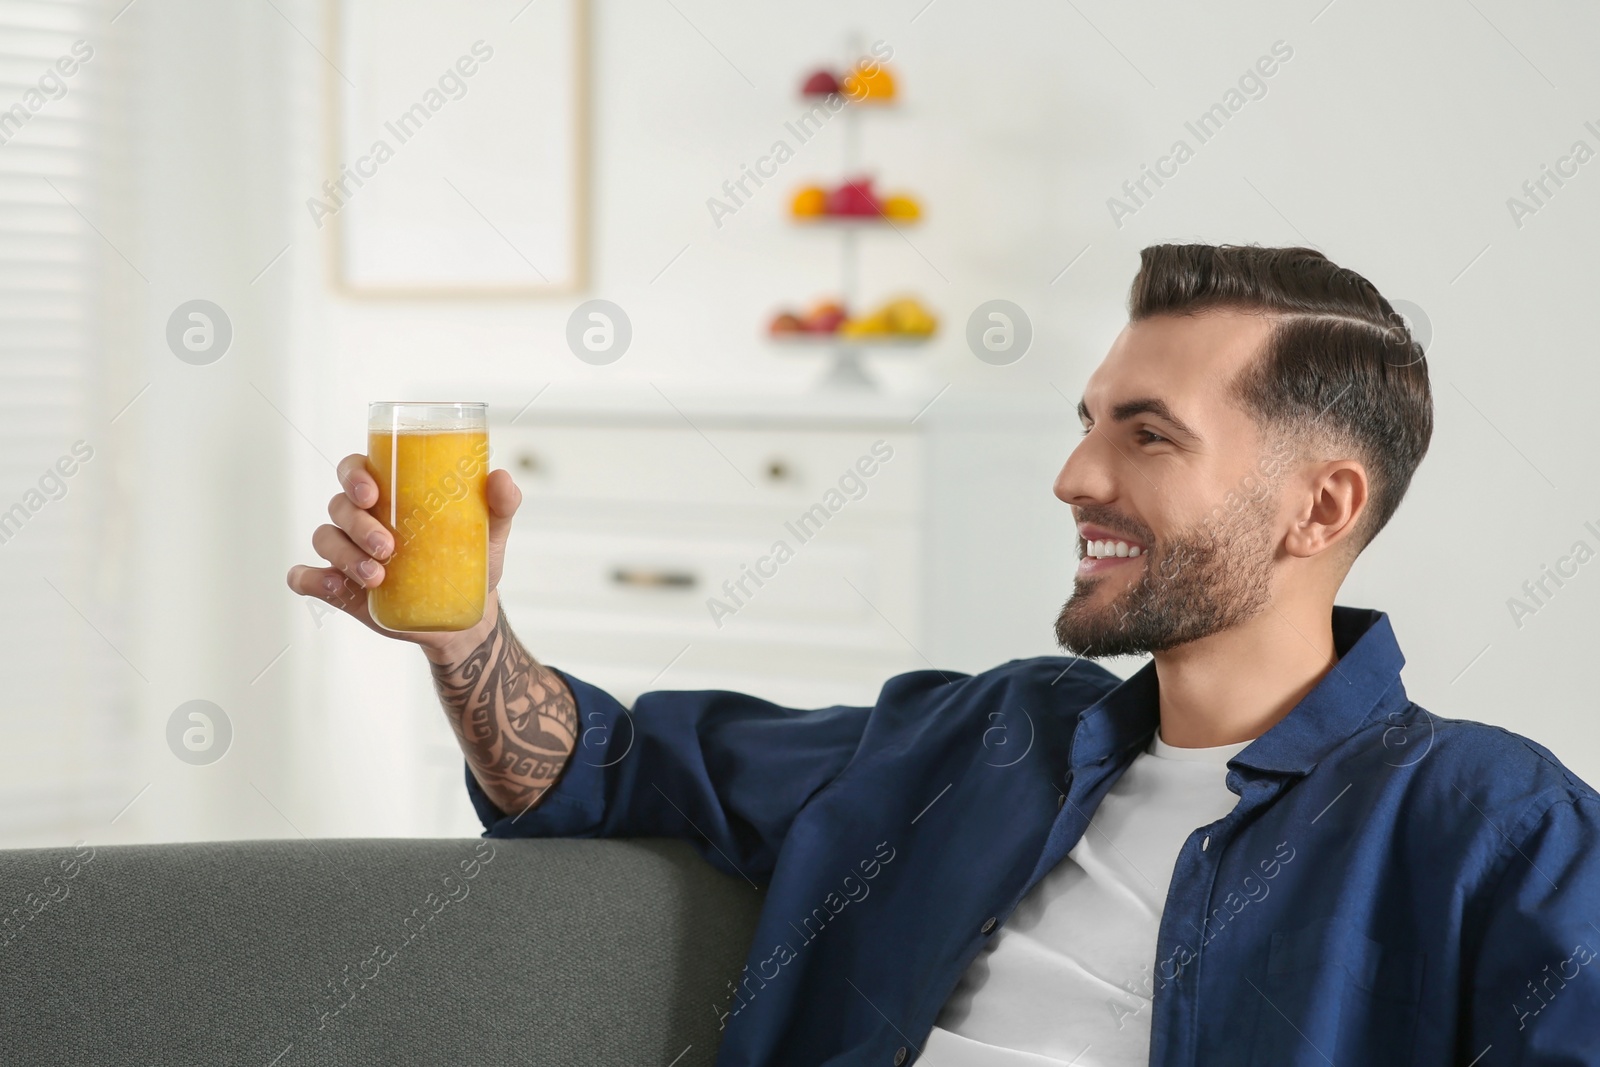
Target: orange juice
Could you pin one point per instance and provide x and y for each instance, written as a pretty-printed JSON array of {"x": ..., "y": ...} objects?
[{"x": 431, "y": 498}]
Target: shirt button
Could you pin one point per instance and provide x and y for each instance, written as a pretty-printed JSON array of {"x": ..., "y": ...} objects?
[
  {"x": 988, "y": 924},
  {"x": 899, "y": 1056},
  {"x": 1205, "y": 842},
  {"x": 1061, "y": 803}
]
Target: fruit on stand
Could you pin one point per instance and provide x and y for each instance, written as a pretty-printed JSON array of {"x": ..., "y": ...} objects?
[
  {"x": 853, "y": 199},
  {"x": 902, "y": 208},
  {"x": 874, "y": 325},
  {"x": 869, "y": 82},
  {"x": 810, "y": 202},
  {"x": 825, "y": 318},
  {"x": 907, "y": 316},
  {"x": 903, "y": 318},
  {"x": 902, "y": 321},
  {"x": 820, "y": 83},
  {"x": 787, "y": 323},
  {"x": 898, "y": 320}
]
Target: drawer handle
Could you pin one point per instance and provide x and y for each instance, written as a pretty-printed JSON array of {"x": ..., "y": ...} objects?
[
  {"x": 778, "y": 471},
  {"x": 654, "y": 579},
  {"x": 529, "y": 462}
]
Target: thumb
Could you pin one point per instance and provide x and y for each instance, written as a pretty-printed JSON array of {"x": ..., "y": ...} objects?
[{"x": 504, "y": 498}]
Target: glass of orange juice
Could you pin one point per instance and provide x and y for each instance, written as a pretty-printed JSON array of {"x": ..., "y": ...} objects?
[{"x": 431, "y": 461}]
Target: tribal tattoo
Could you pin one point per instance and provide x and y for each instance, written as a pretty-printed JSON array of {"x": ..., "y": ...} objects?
[{"x": 515, "y": 718}]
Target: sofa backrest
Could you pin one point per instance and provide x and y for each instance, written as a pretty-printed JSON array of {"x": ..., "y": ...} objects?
[{"x": 290, "y": 953}]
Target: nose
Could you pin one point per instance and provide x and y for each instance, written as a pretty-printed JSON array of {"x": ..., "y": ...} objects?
[{"x": 1087, "y": 477}]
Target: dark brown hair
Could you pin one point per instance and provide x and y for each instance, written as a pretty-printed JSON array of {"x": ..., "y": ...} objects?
[{"x": 1340, "y": 367}]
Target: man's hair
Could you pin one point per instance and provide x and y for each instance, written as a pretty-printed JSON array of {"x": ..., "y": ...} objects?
[{"x": 1339, "y": 370}]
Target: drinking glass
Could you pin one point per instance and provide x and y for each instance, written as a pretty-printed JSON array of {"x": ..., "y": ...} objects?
[{"x": 431, "y": 461}]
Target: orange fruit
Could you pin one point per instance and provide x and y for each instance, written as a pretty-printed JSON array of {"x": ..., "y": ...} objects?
[
  {"x": 810, "y": 201},
  {"x": 901, "y": 207},
  {"x": 868, "y": 81}
]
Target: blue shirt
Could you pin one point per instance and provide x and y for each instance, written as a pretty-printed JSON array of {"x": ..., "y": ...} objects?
[{"x": 1391, "y": 887}]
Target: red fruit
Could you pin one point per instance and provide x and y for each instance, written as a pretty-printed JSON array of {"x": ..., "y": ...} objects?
[
  {"x": 787, "y": 323},
  {"x": 820, "y": 84},
  {"x": 825, "y": 318},
  {"x": 854, "y": 198}
]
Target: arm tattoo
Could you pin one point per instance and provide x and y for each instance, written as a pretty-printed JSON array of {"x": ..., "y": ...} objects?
[{"x": 515, "y": 719}]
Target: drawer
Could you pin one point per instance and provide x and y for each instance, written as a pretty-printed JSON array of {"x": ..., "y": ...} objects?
[
  {"x": 742, "y": 583},
  {"x": 860, "y": 471}
]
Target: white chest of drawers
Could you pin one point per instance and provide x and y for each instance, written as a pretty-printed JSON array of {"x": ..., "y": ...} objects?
[{"x": 700, "y": 545}]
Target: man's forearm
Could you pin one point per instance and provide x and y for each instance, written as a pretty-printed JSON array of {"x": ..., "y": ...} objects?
[{"x": 515, "y": 718}]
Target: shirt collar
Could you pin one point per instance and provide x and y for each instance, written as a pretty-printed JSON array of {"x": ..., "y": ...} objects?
[{"x": 1367, "y": 672}]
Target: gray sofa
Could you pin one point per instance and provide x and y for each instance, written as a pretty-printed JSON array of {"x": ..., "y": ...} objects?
[{"x": 427, "y": 952}]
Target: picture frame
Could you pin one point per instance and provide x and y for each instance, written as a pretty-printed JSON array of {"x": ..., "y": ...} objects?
[{"x": 457, "y": 149}]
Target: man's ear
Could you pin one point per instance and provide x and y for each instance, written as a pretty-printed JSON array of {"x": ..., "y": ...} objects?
[{"x": 1334, "y": 500}]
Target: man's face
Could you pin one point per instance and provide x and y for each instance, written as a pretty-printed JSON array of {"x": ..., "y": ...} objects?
[{"x": 1173, "y": 467}]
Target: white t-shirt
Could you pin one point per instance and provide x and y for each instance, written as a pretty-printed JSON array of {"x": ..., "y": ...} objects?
[{"x": 1069, "y": 978}]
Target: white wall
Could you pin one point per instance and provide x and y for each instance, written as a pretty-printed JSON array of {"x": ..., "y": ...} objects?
[
  {"x": 1390, "y": 140},
  {"x": 204, "y": 139}
]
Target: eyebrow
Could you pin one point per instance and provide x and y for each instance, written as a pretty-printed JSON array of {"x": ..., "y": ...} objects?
[{"x": 1148, "y": 405}]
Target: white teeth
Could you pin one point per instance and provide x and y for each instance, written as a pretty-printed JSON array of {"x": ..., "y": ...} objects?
[{"x": 1110, "y": 549}]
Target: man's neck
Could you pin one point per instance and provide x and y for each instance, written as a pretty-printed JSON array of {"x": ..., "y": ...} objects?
[{"x": 1233, "y": 686}]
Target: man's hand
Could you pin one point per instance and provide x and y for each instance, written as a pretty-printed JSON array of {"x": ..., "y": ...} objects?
[
  {"x": 515, "y": 719},
  {"x": 356, "y": 544}
]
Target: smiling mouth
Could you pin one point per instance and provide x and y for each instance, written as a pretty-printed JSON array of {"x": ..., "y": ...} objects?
[{"x": 1110, "y": 550}]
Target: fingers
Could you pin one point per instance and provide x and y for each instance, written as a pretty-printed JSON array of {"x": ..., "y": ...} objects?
[
  {"x": 361, "y": 526},
  {"x": 325, "y": 583},
  {"x": 335, "y": 546},
  {"x": 357, "y": 540},
  {"x": 501, "y": 491},
  {"x": 357, "y": 480}
]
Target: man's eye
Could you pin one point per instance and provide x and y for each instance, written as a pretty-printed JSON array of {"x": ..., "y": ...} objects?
[
  {"x": 1150, "y": 438},
  {"x": 1085, "y": 432}
]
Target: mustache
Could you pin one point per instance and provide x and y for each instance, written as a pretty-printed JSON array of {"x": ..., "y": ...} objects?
[{"x": 1096, "y": 515}]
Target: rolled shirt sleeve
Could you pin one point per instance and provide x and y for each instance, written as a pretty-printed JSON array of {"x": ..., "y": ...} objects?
[
  {"x": 1536, "y": 977},
  {"x": 724, "y": 770}
]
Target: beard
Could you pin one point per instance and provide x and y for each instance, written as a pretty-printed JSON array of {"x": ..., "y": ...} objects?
[{"x": 1204, "y": 580}]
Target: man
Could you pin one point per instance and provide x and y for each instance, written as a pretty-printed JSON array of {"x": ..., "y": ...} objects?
[{"x": 1256, "y": 850}]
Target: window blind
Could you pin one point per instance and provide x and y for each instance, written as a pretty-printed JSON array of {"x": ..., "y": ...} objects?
[{"x": 67, "y": 704}]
